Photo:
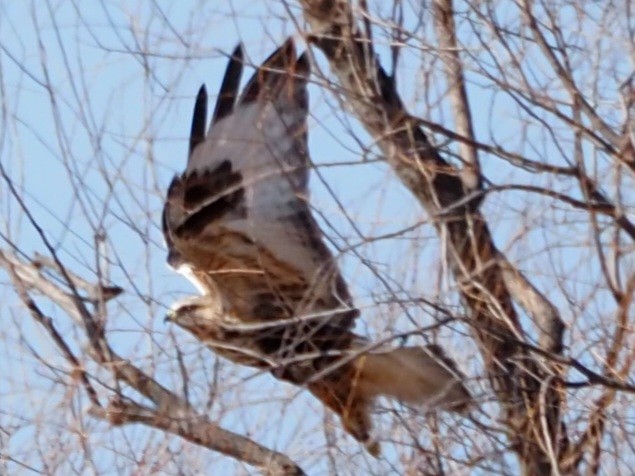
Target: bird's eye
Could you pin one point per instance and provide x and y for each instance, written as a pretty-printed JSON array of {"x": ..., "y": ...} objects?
[{"x": 188, "y": 309}]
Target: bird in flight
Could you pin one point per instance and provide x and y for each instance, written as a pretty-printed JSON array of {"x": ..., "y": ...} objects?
[{"x": 238, "y": 224}]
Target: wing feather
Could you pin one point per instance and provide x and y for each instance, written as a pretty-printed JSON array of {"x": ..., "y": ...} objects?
[
  {"x": 229, "y": 87},
  {"x": 273, "y": 71},
  {"x": 239, "y": 213},
  {"x": 199, "y": 119}
]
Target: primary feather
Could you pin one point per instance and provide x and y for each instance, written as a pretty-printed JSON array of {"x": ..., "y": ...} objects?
[{"x": 237, "y": 222}]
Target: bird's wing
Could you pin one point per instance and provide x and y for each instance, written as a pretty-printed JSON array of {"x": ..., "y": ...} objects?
[{"x": 238, "y": 219}]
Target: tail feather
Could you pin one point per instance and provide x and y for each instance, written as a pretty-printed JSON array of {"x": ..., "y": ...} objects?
[{"x": 415, "y": 375}]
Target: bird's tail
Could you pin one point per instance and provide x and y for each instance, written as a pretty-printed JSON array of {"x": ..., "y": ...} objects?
[{"x": 414, "y": 375}]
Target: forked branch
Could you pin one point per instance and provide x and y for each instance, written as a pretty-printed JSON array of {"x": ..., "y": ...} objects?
[
  {"x": 527, "y": 388},
  {"x": 170, "y": 412}
]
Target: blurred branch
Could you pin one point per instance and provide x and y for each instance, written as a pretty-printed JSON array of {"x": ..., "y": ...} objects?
[
  {"x": 48, "y": 324},
  {"x": 513, "y": 158},
  {"x": 564, "y": 73},
  {"x": 94, "y": 292},
  {"x": 596, "y": 202},
  {"x": 171, "y": 412},
  {"x": 526, "y": 387},
  {"x": 592, "y": 437},
  {"x": 446, "y": 32},
  {"x": 199, "y": 430}
]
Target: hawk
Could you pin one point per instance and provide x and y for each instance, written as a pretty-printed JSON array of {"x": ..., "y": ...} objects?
[{"x": 238, "y": 224}]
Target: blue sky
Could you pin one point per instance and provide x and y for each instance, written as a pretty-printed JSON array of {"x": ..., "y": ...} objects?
[
  {"x": 94, "y": 132},
  {"x": 96, "y": 110}
]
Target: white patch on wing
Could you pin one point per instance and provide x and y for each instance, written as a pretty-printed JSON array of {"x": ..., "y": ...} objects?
[{"x": 187, "y": 271}]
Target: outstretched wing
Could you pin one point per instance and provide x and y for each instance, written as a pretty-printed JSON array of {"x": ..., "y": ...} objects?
[{"x": 238, "y": 218}]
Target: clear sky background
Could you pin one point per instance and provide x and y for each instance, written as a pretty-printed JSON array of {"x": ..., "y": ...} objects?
[{"x": 96, "y": 106}]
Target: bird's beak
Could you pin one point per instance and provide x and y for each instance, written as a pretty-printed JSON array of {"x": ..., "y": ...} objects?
[{"x": 169, "y": 316}]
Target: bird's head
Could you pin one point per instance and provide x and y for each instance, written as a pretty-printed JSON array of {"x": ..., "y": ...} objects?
[{"x": 196, "y": 314}]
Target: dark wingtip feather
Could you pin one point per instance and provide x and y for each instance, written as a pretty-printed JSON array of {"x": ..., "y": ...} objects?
[
  {"x": 238, "y": 52},
  {"x": 283, "y": 56},
  {"x": 174, "y": 258},
  {"x": 276, "y": 65},
  {"x": 229, "y": 87},
  {"x": 303, "y": 66},
  {"x": 199, "y": 119}
]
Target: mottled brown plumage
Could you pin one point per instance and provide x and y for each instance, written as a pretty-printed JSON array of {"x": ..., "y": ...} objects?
[{"x": 237, "y": 222}]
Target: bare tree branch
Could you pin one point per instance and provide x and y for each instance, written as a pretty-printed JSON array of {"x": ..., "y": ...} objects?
[
  {"x": 591, "y": 439},
  {"x": 511, "y": 123},
  {"x": 446, "y": 32},
  {"x": 516, "y": 377},
  {"x": 199, "y": 430},
  {"x": 171, "y": 413},
  {"x": 565, "y": 76}
]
